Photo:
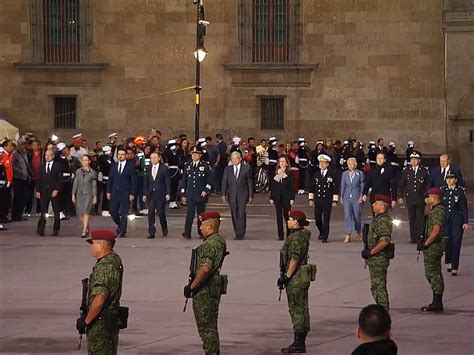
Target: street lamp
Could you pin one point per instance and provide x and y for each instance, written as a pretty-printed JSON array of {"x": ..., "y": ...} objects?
[{"x": 200, "y": 54}]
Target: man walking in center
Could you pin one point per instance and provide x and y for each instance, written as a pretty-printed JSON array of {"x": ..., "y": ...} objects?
[{"x": 237, "y": 190}]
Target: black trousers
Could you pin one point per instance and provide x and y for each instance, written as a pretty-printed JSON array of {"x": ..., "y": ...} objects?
[
  {"x": 119, "y": 205},
  {"x": 65, "y": 196},
  {"x": 30, "y": 197},
  {"x": 302, "y": 179},
  {"x": 45, "y": 199},
  {"x": 322, "y": 216},
  {"x": 156, "y": 204},
  {"x": 194, "y": 205},
  {"x": 239, "y": 217},
  {"x": 174, "y": 183},
  {"x": 5, "y": 202},
  {"x": 105, "y": 201},
  {"x": 282, "y": 209},
  {"x": 20, "y": 189},
  {"x": 416, "y": 214}
]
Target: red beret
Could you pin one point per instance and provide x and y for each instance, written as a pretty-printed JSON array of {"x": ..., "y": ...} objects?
[
  {"x": 383, "y": 198},
  {"x": 435, "y": 191},
  {"x": 204, "y": 216},
  {"x": 102, "y": 234},
  {"x": 299, "y": 216}
]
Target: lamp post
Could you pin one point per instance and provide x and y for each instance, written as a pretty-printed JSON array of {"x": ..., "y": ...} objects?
[{"x": 200, "y": 54}]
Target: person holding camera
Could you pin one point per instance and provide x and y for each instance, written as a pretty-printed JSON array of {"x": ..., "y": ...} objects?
[
  {"x": 377, "y": 250},
  {"x": 101, "y": 320}
]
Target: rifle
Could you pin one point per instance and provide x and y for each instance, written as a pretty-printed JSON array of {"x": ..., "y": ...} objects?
[
  {"x": 420, "y": 242},
  {"x": 282, "y": 272},
  {"x": 83, "y": 308},
  {"x": 192, "y": 274},
  {"x": 365, "y": 236}
]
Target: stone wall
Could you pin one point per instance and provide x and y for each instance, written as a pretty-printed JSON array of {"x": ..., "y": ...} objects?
[{"x": 368, "y": 68}]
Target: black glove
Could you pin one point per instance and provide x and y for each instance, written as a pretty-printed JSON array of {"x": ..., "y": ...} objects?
[
  {"x": 420, "y": 244},
  {"x": 188, "y": 291},
  {"x": 282, "y": 281},
  {"x": 365, "y": 253},
  {"x": 81, "y": 325}
]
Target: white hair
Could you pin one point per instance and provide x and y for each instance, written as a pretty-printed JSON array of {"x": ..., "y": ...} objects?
[
  {"x": 236, "y": 153},
  {"x": 352, "y": 159}
]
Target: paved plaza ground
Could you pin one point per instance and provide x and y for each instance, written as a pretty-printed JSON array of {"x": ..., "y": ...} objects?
[{"x": 40, "y": 290}]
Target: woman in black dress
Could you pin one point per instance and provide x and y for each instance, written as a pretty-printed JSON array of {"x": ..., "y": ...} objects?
[{"x": 282, "y": 193}]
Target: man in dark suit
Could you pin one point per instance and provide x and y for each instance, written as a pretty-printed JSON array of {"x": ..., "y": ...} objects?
[
  {"x": 380, "y": 179},
  {"x": 323, "y": 195},
  {"x": 156, "y": 191},
  {"x": 48, "y": 188},
  {"x": 414, "y": 187},
  {"x": 438, "y": 174},
  {"x": 237, "y": 189},
  {"x": 120, "y": 190}
]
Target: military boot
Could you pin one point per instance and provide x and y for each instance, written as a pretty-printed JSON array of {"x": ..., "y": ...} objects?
[
  {"x": 436, "y": 306},
  {"x": 298, "y": 346}
]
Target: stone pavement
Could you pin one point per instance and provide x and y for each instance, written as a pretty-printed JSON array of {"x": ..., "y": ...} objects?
[{"x": 40, "y": 291}]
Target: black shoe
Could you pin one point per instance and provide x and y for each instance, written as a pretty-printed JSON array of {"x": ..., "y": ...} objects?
[
  {"x": 449, "y": 269},
  {"x": 186, "y": 235},
  {"x": 280, "y": 238},
  {"x": 320, "y": 237},
  {"x": 55, "y": 234},
  {"x": 324, "y": 241},
  {"x": 165, "y": 233},
  {"x": 122, "y": 235},
  {"x": 298, "y": 346},
  {"x": 454, "y": 273},
  {"x": 41, "y": 234},
  {"x": 2, "y": 228},
  {"x": 436, "y": 306},
  {"x": 151, "y": 236}
]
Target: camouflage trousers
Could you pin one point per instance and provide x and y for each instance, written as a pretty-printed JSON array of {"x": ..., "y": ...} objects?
[
  {"x": 432, "y": 260},
  {"x": 206, "y": 313},
  {"x": 100, "y": 342},
  {"x": 378, "y": 281},
  {"x": 297, "y": 295}
]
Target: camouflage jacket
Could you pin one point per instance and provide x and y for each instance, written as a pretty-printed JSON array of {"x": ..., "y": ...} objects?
[
  {"x": 106, "y": 279},
  {"x": 437, "y": 215},
  {"x": 380, "y": 229},
  {"x": 296, "y": 247},
  {"x": 211, "y": 253}
]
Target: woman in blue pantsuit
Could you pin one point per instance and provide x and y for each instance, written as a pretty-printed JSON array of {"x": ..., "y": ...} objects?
[
  {"x": 352, "y": 187},
  {"x": 454, "y": 200}
]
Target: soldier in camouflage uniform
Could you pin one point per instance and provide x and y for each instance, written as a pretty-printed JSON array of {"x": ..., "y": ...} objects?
[
  {"x": 433, "y": 249},
  {"x": 103, "y": 296},
  {"x": 380, "y": 233},
  {"x": 293, "y": 255},
  {"x": 205, "y": 289}
]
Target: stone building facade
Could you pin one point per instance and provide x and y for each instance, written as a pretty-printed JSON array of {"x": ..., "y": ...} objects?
[{"x": 364, "y": 68}]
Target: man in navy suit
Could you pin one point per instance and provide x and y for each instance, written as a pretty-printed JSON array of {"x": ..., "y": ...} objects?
[
  {"x": 156, "y": 191},
  {"x": 438, "y": 174},
  {"x": 120, "y": 190}
]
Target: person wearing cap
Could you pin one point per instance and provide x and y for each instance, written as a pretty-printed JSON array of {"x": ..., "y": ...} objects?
[
  {"x": 195, "y": 187},
  {"x": 408, "y": 152},
  {"x": 21, "y": 178},
  {"x": 294, "y": 255},
  {"x": 323, "y": 195},
  {"x": 457, "y": 219},
  {"x": 77, "y": 150},
  {"x": 372, "y": 154},
  {"x": 302, "y": 155},
  {"x": 379, "y": 237},
  {"x": 432, "y": 245},
  {"x": 413, "y": 187},
  {"x": 237, "y": 190},
  {"x": 139, "y": 205},
  {"x": 69, "y": 165},
  {"x": 84, "y": 193},
  {"x": 359, "y": 154},
  {"x": 439, "y": 173},
  {"x": 121, "y": 189},
  {"x": 156, "y": 192},
  {"x": 272, "y": 156},
  {"x": 352, "y": 187},
  {"x": 47, "y": 191},
  {"x": 175, "y": 165},
  {"x": 235, "y": 146},
  {"x": 313, "y": 162},
  {"x": 101, "y": 323},
  {"x": 4, "y": 191},
  {"x": 206, "y": 287},
  {"x": 105, "y": 164}
]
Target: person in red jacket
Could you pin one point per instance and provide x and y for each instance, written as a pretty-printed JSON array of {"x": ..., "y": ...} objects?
[{"x": 6, "y": 200}]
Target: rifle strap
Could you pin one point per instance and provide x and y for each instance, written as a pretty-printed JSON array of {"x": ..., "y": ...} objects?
[
  {"x": 211, "y": 275},
  {"x": 108, "y": 302},
  {"x": 305, "y": 255}
]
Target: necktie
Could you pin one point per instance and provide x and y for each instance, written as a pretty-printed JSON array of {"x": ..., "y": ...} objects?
[
  {"x": 48, "y": 168},
  {"x": 324, "y": 173},
  {"x": 443, "y": 172},
  {"x": 120, "y": 168},
  {"x": 236, "y": 172},
  {"x": 154, "y": 172}
]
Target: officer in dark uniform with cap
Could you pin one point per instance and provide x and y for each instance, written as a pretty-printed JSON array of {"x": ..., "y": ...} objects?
[
  {"x": 413, "y": 187},
  {"x": 457, "y": 219},
  {"x": 272, "y": 156},
  {"x": 372, "y": 154},
  {"x": 102, "y": 322},
  {"x": 195, "y": 186},
  {"x": 323, "y": 195},
  {"x": 302, "y": 161},
  {"x": 175, "y": 166},
  {"x": 105, "y": 162}
]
